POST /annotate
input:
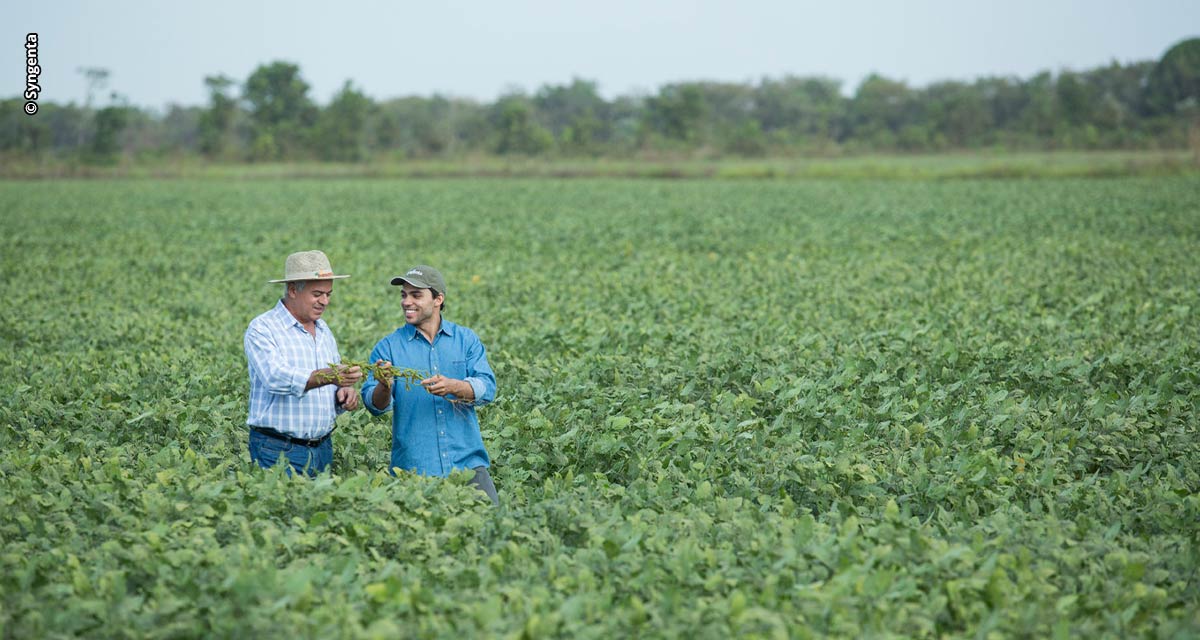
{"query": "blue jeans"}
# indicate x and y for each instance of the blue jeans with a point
(266, 452)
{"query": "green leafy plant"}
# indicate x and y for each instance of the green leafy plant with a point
(774, 408)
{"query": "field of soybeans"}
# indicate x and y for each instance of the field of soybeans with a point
(726, 408)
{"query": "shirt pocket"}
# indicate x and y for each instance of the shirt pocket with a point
(457, 369)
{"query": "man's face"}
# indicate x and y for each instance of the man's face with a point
(308, 305)
(419, 304)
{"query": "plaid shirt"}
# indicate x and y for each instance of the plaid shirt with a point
(281, 356)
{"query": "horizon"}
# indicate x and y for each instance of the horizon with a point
(159, 55)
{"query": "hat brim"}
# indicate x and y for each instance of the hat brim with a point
(416, 282)
(303, 278)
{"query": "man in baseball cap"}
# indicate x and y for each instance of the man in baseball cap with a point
(434, 427)
(294, 402)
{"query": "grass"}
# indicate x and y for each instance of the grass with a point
(962, 165)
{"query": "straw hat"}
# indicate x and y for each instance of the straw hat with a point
(308, 265)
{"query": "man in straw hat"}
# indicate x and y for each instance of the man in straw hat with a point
(295, 395)
(434, 428)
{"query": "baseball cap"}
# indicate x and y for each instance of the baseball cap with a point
(423, 276)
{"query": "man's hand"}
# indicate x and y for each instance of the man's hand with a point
(346, 376)
(382, 395)
(384, 379)
(347, 398)
(440, 385)
(340, 374)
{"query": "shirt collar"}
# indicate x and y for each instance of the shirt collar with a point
(290, 320)
(410, 332)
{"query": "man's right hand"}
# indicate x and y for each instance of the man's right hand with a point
(348, 376)
(382, 395)
(386, 378)
(340, 375)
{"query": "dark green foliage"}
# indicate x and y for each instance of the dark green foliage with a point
(109, 123)
(1174, 84)
(216, 122)
(676, 112)
(516, 130)
(726, 409)
(1140, 105)
(341, 132)
(280, 110)
(576, 115)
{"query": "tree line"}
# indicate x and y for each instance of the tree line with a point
(271, 117)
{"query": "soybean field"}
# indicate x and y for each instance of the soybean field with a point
(726, 408)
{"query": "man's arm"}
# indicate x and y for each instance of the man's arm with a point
(265, 362)
(440, 385)
(479, 373)
(340, 375)
(478, 388)
(283, 379)
(381, 395)
(377, 394)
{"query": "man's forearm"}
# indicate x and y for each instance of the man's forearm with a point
(342, 376)
(319, 378)
(379, 396)
(465, 391)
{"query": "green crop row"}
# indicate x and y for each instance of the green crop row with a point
(725, 409)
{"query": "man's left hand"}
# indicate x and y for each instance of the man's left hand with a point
(347, 398)
(440, 385)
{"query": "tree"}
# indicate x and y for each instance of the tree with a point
(1173, 88)
(1006, 100)
(1174, 84)
(106, 142)
(745, 138)
(575, 114)
(97, 80)
(415, 125)
(799, 109)
(517, 131)
(1040, 118)
(181, 128)
(281, 112)
(1117, 91)
(676, 112)
(1075, 98)
(216, 122)
(957, 113)
(341, 128)
(21, 133)
(879, 110)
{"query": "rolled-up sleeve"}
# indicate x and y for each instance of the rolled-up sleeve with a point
(479, 372)
(276, 375)
(380, 352)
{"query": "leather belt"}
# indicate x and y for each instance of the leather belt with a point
(312, 444)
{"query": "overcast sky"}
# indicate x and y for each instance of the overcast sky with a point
(158, 52)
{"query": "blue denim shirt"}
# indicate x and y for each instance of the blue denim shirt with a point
(431, 435)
